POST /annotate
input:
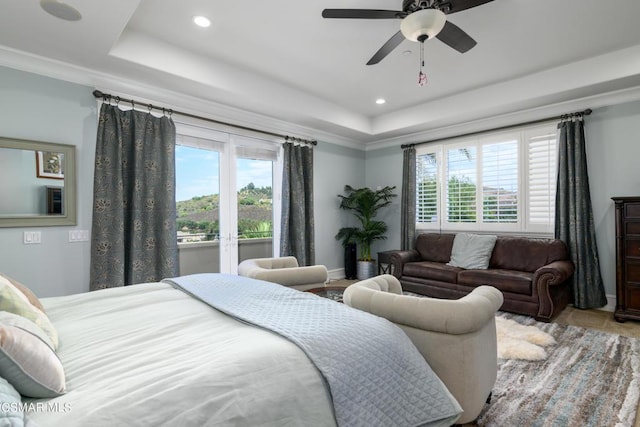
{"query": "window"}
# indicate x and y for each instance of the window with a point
(225, 188)
(503, 181)
(500, 182)
(461, 171)
(427, 188)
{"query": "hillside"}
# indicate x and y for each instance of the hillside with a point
(200, 215)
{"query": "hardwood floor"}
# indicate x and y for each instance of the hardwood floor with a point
(598, 319)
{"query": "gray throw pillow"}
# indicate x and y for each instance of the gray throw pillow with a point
(472, 251)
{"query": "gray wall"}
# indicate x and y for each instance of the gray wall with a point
(384, 167)
(334, 167)
(43, 109)
(613, 150)
(39, 108)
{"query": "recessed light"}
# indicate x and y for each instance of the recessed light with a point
(406, 52)
(201, 21)
(60, 10)
(381, 101)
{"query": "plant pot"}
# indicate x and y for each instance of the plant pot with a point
(366, 269)
(350, 258)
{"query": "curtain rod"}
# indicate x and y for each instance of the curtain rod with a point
(533, 122)
(106, 97)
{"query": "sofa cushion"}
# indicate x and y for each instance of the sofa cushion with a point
(432, 271)
(517, 282)
(434, 247)
(526, 254)
(472, 251)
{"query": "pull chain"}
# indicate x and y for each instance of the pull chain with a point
(422, 77)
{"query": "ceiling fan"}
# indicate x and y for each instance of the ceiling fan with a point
(421, 20)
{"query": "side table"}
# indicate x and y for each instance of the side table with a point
(331, 292)
(384, 262)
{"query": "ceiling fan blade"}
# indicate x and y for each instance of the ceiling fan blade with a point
(386, 48)
(362, 13)
(453, 36)
(453, 6)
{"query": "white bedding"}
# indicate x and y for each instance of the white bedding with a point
(172, 360)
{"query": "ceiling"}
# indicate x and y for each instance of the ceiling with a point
(279, 61)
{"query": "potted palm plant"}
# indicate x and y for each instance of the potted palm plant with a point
(365, 204)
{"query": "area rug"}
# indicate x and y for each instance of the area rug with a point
(590, 378)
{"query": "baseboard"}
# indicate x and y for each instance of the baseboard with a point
(611, 304)
(337, 274)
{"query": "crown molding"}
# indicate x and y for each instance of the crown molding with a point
(487, 123)
(209, 109)
(124, 87)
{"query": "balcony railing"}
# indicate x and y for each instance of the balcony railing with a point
(203, 256)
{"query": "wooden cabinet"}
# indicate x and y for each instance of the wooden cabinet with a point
(54, 200)
(627, 258)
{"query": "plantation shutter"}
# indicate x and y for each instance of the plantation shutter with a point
(500, 182)
(427, 188)
(542, 180)
(461, 184)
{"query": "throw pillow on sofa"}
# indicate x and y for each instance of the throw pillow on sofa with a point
(472, 251)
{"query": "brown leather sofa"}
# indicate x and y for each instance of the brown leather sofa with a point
(531, 273)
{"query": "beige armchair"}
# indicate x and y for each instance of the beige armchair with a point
(456, 337)
(285, 271)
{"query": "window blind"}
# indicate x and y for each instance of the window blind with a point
(500, 182)
(427, 188)
(542, 179)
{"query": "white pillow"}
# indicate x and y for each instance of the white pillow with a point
(472, 251)
(29, 364)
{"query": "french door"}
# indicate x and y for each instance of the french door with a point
(227, 199)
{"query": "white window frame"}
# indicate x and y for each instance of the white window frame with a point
(230, 145)
(523, 225)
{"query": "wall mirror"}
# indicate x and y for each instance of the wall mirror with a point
(37, 183)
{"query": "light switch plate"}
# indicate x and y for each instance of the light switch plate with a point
(32, 237)
(79, 235)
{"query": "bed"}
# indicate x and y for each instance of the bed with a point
(154, 354)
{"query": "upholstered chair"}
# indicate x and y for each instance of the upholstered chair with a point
(456, 337)
(285, 271)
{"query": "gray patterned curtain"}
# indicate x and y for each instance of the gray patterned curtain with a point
(408, 203)
(133, 238)
(297, 238)
(574, 215)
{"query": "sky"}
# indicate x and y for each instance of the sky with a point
(198, 172)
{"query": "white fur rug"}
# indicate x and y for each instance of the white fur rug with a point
(516, 341)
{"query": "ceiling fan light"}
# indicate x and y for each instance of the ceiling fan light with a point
(423, 22)
(60, 10)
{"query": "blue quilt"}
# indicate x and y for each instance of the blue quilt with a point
(375, 375)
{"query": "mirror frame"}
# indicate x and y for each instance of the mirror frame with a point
(70, 207)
